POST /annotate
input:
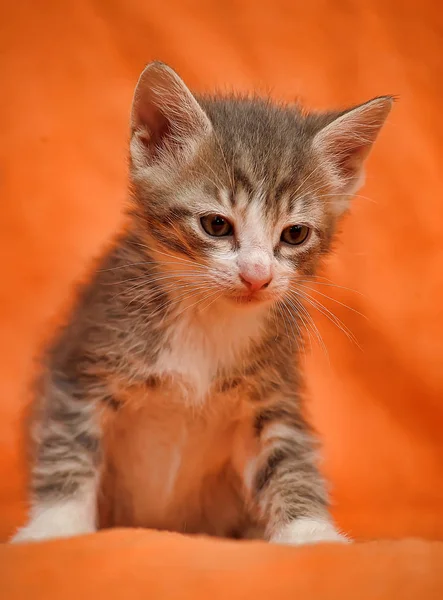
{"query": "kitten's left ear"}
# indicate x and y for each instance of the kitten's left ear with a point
(167, 123)
(345, 143)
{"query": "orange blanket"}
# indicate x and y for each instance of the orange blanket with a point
(67, 75)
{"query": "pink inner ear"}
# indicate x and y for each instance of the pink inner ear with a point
(349, 160)
(165, 115)
(347, 141)
(156, 136)
(154, 128)
(146, 114)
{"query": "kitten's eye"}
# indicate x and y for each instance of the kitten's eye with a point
(295, 234)
(216, 225)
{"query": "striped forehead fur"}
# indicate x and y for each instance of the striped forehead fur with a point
(259, 152)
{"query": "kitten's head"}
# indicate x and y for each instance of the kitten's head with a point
(239, 197)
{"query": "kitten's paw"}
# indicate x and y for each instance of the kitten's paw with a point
(308, 531)
(32, 533)
(64, 520)
(36, 531)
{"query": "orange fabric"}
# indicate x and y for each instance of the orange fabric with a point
(137, 564)
(67, 74)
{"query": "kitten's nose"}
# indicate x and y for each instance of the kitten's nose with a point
(256, 277)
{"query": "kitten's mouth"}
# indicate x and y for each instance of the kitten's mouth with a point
(253, 298)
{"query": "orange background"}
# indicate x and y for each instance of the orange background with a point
(67, 76)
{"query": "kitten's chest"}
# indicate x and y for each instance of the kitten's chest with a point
(195, 353)
(172, 465)
(176, 447)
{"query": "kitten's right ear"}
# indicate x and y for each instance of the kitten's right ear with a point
(167, 123)
(344, 144)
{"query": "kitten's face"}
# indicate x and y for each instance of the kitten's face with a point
(243, 241)
(253, 247)
(239, 197)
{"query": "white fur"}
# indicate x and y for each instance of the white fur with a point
(75, 516)
(249, 473)
(308, 531)
(174, 467)
(201, 344)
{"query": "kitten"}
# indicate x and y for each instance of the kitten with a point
(171, 400)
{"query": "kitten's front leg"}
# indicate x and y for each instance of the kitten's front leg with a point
(65, 516)
(65, 471)
(284, 481)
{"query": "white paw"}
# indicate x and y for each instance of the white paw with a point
(58, 520)
(308, 531)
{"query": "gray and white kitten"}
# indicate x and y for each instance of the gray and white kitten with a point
(171, 399)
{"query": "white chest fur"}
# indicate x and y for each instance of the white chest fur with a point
(202, 344)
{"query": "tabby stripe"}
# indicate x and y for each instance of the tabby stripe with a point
(112, 403)
(241, 179)
(278, 413)
(264, 475)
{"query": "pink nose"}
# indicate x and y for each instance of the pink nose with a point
(255, 281)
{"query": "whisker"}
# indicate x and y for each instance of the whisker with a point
(192, 291)
(197, 302)
(354, 310)
(147, 282)
(331, 284)
(274, 316)
(159, 293)
(212, 301)
(312, 324)
(153, 250)
(282, 316)
(155, 277)
(330, 315)
(294, 323)
(144, 262)
(180, 258)
(305, 325)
